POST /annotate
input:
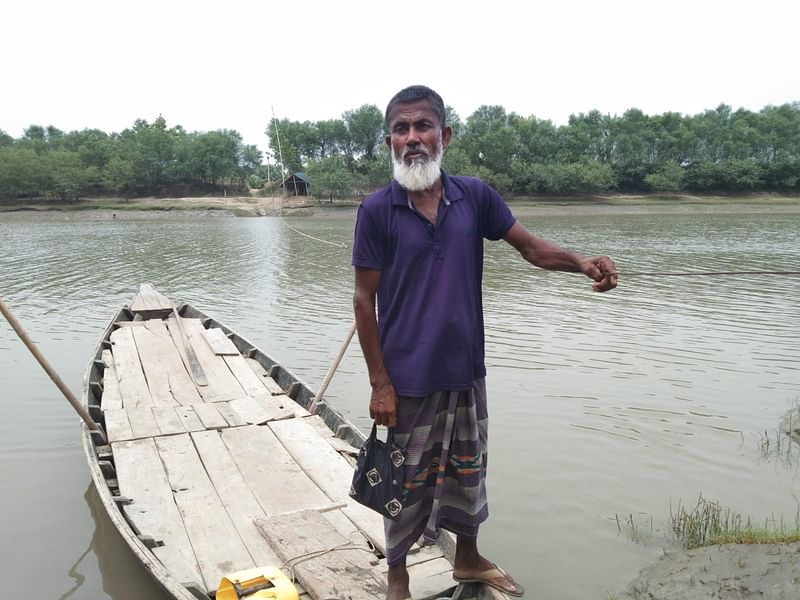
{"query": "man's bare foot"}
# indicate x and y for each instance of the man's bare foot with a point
(397, 588)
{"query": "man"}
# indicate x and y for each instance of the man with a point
(419, 250)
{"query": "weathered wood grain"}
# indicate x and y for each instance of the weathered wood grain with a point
(132, 383)
(166, 364)
(260, 410)
(235, 494)
(149, 300)
(117, 425)
(111, 397)
(168, 421)
(216, 543)
(143, 424)
(277, 482)
(209, 416)
(219, 342)
(261, 372)
(231, 416)
(343, 573)
(330, 471)
(141, 477)
(189, 418)
(222, 384)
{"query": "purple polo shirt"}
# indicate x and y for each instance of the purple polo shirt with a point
(430, 311)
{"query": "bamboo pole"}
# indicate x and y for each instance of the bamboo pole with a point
(332, 370)
(23, 335)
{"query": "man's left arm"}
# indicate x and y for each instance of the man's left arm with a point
(547, 255)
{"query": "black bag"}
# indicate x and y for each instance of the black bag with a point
(378, 480)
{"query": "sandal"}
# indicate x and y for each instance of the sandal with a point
(489, 577)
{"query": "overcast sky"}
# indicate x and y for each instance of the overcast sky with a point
(228, 64)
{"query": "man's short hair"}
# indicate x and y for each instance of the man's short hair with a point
(414, 93)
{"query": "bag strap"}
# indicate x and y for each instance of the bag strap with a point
(374, 433)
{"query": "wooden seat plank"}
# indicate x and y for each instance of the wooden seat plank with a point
(348, 572)
(219, 342)
(217, 546)
(148, 299)
(111, 397)
(132, 383)
(261, 372)
(141, 477)
(168, 421)
(209, 416)
(235, 494)
(330, 471)
(222, 385)
(117, 425)
(277, 482)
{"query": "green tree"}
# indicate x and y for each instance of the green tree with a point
(330, 177)
(365, 126)
(668, 178)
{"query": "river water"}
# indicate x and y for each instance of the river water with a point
(605, 409)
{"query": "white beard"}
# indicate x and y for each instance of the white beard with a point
(422, 173)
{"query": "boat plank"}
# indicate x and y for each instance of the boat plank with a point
(235, 494)
(178, 380)
(263, 409)
(217, 546)
(219, 342)
(252, 383)
(324, 431)
(143, 423)
(132, 383)
(168, 421)
(231, 416)
(154, 355)
(111, 397)
(431, 579)
(330, 471)
(117, 425)
(189, 418)
(348, 572)
(209, 416)
(153, 511)
(268, 381)
(148, 299)
(222, 385)
(279, 485)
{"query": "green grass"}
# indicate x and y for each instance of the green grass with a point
(709, 524)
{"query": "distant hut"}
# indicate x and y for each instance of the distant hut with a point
(296, 184)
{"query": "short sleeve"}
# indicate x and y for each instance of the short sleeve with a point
(369, 247)
(496, 216)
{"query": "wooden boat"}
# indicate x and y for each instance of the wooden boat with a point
(213, 465)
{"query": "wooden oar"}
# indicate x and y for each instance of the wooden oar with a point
(23, 335)
(332, 370)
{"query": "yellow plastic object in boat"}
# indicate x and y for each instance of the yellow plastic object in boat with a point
(258, 583)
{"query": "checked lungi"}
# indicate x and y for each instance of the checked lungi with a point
(445, 436)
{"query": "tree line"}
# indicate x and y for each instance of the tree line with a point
(719, 150)
(146, 159)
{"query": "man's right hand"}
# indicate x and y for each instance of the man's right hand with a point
(383, 404)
